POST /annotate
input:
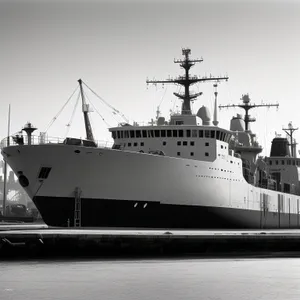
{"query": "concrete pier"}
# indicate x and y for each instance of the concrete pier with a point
(17, 240)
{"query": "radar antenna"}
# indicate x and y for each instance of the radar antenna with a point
(187, 80)
(246, 106)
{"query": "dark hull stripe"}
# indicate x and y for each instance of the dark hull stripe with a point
(123, 213)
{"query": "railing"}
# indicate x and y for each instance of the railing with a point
(44, 139)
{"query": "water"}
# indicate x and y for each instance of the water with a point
(213, 279)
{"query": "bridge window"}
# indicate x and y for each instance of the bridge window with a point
(218, 135)
(228, 138)
(213, 134)
(282, 162)
(138, 134)
(180, 133)
(188, 133)
(174, 133)
(113, 134)
(293, 162)
(221, 136)
(276, 162)
(126, 134)
(118, 134)
(144, 133)
(122, 134)
(132, 133)
(194, 133)
(289, 162)
(270, 163)
(156, 133)
(151, 133)
(200, 133)
(163, 133)
(179, 122)
(169, 133)
(207, 133)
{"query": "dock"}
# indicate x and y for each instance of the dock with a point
(38, 240)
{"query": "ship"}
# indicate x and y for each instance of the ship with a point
(186, 172)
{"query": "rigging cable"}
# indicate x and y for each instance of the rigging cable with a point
(163, 97)
(72, 116)
(178, 91)
(97, 110)
(54, 119)
(111, 107)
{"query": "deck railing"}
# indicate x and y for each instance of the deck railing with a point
(43, 139)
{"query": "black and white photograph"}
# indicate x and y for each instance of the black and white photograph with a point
(149, 149)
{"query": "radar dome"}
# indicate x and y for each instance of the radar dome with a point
(204, 114)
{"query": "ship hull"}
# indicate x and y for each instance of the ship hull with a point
(130, 189)
(139, 214)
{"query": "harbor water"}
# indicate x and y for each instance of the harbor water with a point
(161, 279)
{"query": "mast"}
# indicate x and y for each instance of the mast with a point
(5, 169)
(85, 110)
(186, 81)
(289, 131)
(215, 121)
(246, 106)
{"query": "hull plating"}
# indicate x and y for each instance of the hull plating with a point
(121, 213)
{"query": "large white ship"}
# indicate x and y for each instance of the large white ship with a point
(171, 174)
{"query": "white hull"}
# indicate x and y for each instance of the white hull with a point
(132, 176)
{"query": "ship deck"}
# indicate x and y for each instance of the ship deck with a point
(38, 240)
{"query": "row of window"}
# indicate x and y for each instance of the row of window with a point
(135, 144)
(283, 162)
(192, 154)
(155, 133)
(179, 143)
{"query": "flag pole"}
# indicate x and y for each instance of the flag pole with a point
(5, 169)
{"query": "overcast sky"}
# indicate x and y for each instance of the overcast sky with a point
(46, 46)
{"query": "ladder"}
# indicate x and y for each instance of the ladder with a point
(77, 211)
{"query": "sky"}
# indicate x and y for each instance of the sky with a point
(114, 46)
